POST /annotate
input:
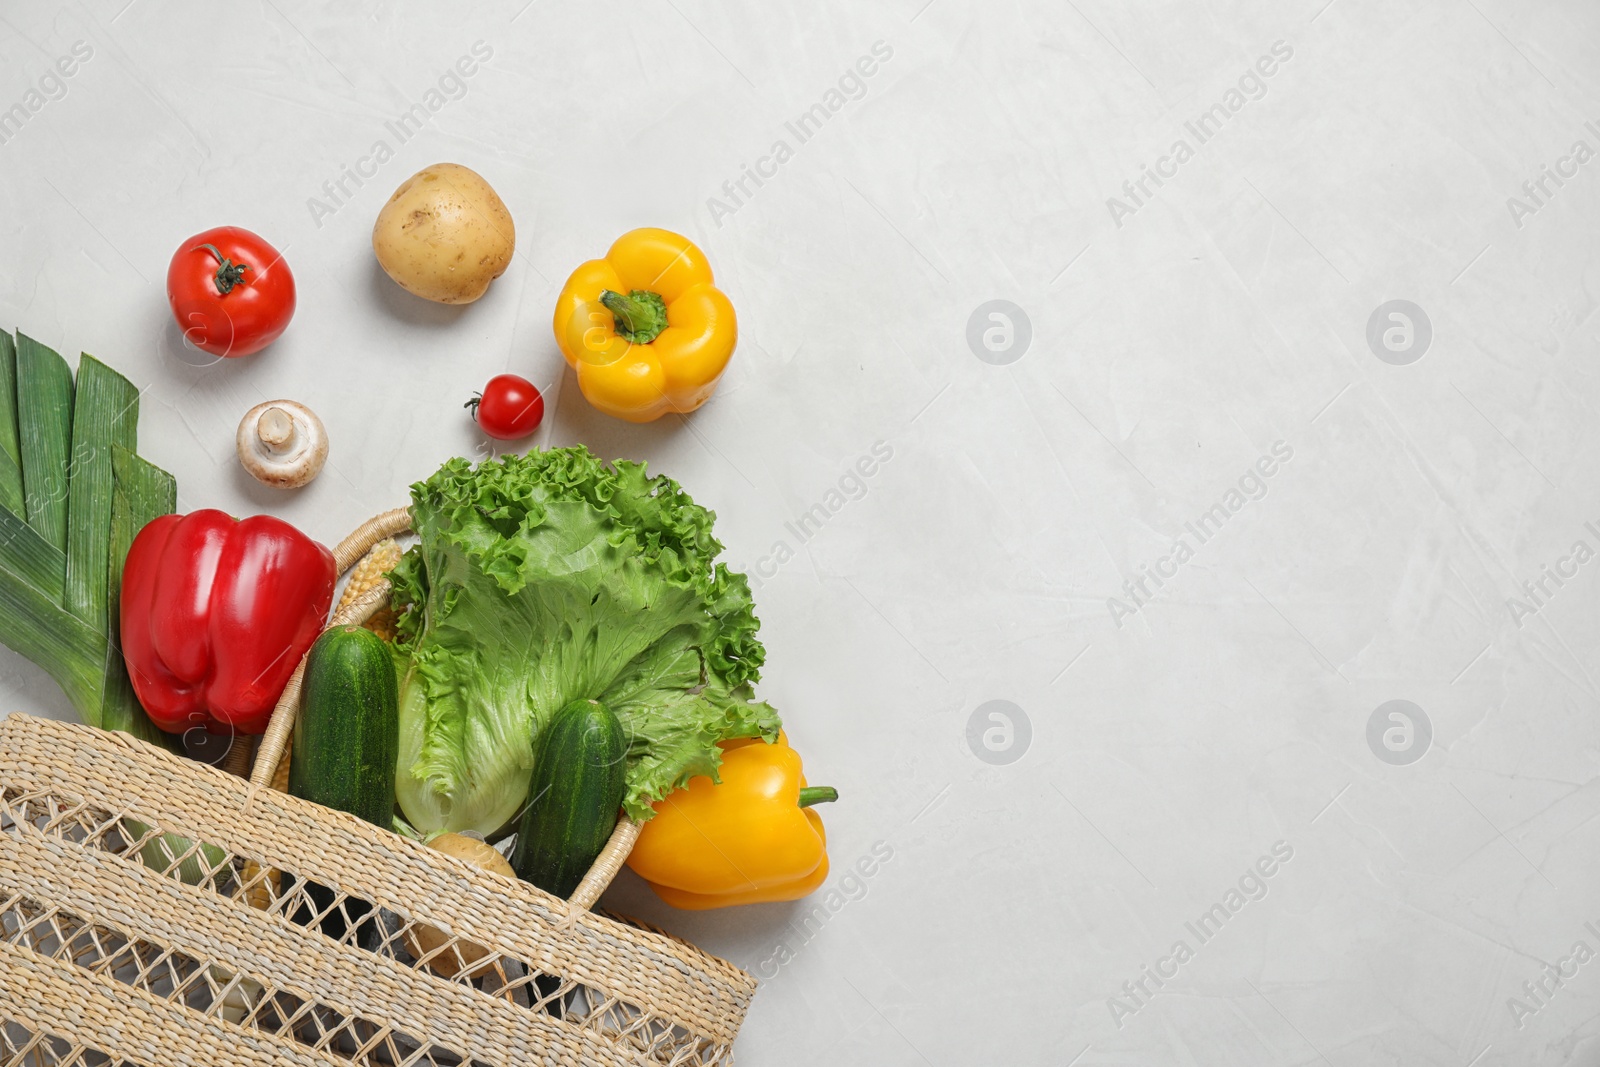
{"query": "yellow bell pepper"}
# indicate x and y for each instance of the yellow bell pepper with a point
(751, 839)
(645, 328)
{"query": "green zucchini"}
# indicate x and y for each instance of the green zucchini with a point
(346, 744)
(347, 734)
(579, 778)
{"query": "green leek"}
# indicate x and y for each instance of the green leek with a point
(72, 496)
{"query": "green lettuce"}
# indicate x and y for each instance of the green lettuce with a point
(551, 577)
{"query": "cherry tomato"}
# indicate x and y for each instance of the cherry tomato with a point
(230, 291)
(508, 408)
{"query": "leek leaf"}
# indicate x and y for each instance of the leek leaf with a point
(105, 412)
(44, 417)
(141, 491)
(10, 455)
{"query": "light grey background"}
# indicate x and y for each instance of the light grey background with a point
(1172, 346)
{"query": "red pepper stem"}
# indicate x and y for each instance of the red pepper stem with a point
(818, 794)
(229, 273)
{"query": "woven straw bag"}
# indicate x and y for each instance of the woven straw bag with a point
(157, 911)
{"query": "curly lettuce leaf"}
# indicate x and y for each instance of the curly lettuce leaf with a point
(550, 577)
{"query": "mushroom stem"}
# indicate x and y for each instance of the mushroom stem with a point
(276, 431)
(282, 443)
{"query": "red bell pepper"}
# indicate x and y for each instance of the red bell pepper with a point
(216, 614)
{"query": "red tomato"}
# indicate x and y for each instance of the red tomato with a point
(508, 408)
(230, 291)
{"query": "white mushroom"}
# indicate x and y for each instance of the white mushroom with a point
(282, 444)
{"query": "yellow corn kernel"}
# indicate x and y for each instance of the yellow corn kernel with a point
(365, 576)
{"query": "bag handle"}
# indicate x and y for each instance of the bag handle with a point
(606, 865)
(270, 753)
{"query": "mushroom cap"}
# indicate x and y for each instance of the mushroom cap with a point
(282, 444)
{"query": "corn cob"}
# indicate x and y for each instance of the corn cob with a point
(365, 576)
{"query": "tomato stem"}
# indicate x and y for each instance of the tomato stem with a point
(229, 273)
(472, 405)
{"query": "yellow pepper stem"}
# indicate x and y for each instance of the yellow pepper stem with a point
(817, 794)
(640, 315)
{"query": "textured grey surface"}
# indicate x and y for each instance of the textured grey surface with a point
(1170, 737)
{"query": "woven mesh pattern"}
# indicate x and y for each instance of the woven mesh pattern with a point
(153, 910)
(20, 1045)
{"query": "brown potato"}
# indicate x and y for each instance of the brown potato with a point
(444, 234)
(462, 955)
